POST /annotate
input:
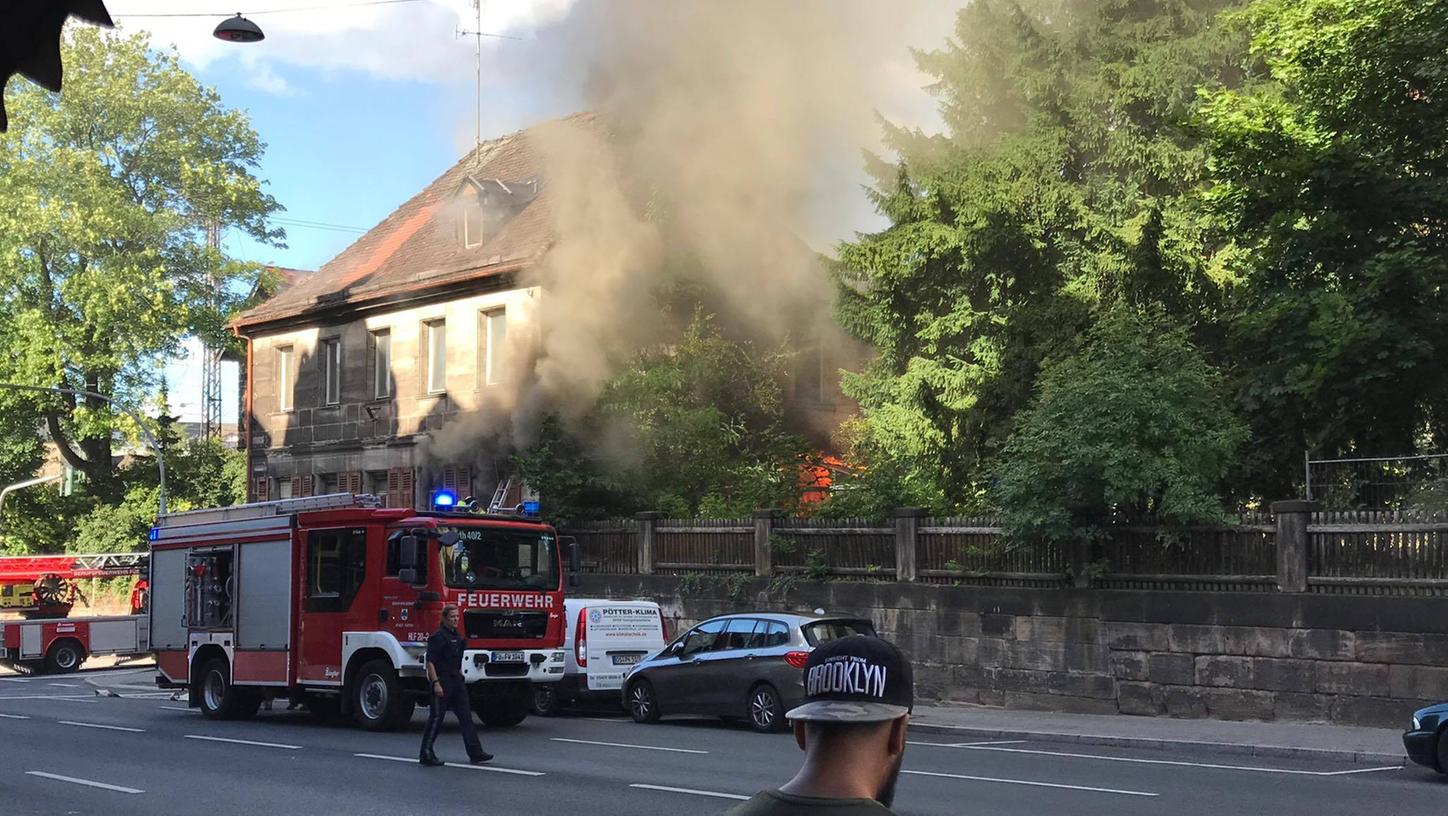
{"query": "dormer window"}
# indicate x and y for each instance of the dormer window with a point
(484, 205)
(473, 224)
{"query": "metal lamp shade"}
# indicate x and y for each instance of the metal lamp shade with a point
(238, 29)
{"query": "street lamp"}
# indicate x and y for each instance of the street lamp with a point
(145, 432)
(238, 29)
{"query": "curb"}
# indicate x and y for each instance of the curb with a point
(1151, 743)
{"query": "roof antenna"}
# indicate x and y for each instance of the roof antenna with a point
(478, 34)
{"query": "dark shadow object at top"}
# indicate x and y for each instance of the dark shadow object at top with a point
(30, 39)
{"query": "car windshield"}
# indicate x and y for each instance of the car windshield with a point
(486, 558)
(825, 631)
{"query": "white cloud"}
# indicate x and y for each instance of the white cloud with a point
(415, 41)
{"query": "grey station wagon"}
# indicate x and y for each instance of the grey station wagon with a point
(745, 665)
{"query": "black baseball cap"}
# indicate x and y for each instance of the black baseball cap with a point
(858, 678)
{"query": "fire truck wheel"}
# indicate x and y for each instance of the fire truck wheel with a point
(220, 700)
(503, 705)
(378, 702)
(64, 657)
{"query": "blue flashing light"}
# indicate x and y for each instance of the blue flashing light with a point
(530, 508)
(155, 533)
(444, 499)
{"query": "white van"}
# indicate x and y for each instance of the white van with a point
(605, 639)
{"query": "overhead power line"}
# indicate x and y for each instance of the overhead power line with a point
(270, 11)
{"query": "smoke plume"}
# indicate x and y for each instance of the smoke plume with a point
(716, 138)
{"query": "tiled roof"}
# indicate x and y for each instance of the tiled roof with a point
(418, 247)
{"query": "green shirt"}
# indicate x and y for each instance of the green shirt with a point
(778, 803)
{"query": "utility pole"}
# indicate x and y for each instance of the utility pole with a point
(211, 352)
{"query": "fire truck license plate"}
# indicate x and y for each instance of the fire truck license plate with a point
(507, 657)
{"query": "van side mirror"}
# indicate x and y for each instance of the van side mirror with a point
(407, 554)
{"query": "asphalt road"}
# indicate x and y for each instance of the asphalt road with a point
(67, 751)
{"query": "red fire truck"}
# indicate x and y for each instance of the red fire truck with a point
(329, 601)
(43, 589)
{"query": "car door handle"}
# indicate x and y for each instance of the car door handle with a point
(696, 661)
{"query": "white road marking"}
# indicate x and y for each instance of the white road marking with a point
(181, 708)
(715, 794)
(14, 716)
(63, 685)
(86, 782)
(16, 679)
(454, 765)
(605, 719)
(1030, 783)
(629, 745)
(106, 727)
(245, 742)
(966, 744)
(1140, 761)
(48, 697)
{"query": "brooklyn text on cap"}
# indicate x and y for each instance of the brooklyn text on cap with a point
(856, 679)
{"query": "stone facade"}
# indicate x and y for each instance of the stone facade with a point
(1352, 660)
(361, 441)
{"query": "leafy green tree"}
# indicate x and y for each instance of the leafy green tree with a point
(697, 427)
(1134, 424)
(1067, 180)
(1330, 168)
(105, 195)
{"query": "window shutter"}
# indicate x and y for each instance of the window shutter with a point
(309, 483)
(405, 488)
(297, 487)
(393, 478)
(260, 491)
(464, 481)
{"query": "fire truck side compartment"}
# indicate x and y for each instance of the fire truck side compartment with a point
(168, 581)
(264, 597)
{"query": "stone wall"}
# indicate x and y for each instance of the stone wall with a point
(1353, 660)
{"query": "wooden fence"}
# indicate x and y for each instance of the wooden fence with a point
(1357, 553)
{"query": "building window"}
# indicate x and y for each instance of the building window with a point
(436, 331)
(332, 370)
(472, 225)
(493, 334)
(381, 342)
(326, 484)
(284, 488)
(284, 378)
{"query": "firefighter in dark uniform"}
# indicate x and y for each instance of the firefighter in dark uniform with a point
(449, 692)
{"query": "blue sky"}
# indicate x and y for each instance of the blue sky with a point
(361, 106)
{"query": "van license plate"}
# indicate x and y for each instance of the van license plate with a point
(507, 657)
(626, 660)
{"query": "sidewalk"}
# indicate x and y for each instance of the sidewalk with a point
(1376, 746)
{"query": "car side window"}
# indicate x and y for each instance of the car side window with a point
(738, 634)
(703, 638)
(775, 634)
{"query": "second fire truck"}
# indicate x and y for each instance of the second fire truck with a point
(329, 601)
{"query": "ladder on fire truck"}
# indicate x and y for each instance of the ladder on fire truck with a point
(499, 496)
(268, 509)
(95, 565)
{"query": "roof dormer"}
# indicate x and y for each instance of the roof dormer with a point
(484, 205)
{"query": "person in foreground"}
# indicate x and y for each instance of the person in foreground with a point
(859, 691)
(449, 692)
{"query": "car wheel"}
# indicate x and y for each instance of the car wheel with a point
(643, 704)
(546, 702)
(766, 712)
(1443, 750)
